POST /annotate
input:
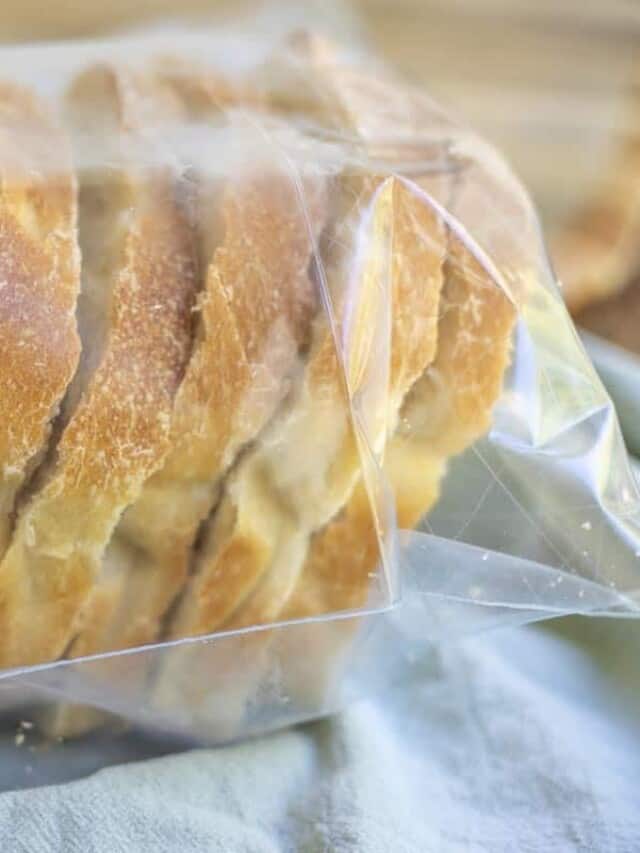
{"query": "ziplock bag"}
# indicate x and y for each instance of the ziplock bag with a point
(287, 390)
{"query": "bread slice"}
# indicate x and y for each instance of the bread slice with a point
(39, 286)
(139, 283)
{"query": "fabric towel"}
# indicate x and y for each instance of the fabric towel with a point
(522, 740)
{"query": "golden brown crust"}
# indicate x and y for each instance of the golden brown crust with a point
(39, 285)
(118, 431)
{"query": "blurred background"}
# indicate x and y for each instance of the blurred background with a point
(546, 80)
(556, 85)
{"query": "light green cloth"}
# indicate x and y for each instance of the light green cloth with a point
(524, 740)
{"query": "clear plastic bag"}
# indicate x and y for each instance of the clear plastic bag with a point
(323, 406)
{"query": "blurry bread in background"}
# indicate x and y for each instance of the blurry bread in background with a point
(617, 319)
(597, 253)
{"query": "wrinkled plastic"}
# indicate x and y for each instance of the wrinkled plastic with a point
(538, 513)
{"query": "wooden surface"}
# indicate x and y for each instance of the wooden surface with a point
(544, 79)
